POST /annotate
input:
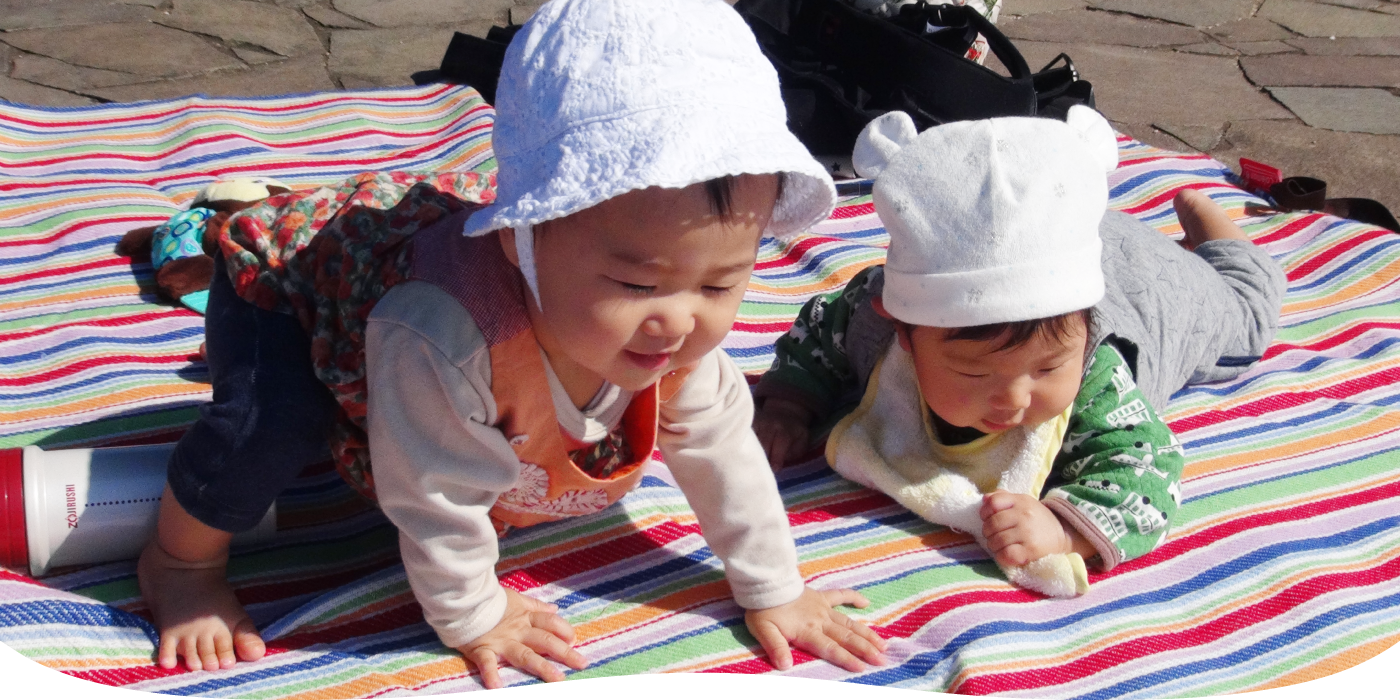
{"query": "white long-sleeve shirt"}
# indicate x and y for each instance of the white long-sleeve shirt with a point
(439, 465)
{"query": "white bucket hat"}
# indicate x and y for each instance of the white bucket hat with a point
(990, 221)
(601, 97)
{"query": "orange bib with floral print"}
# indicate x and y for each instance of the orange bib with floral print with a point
(476, 273)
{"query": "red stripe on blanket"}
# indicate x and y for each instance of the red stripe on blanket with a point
(76, 367)
(281, 590)
(795, 252)
(109, 322)
(920, 616)
(409, 613)
(1170, 194)
(1316, 262)
(71, 269)
(1332, 341)
(127, 676)
(579, 561)
(1131, 651)
(852, 211)
(1173, 548)
(54, 120)
(82, 224)
(213, 142)
(1289, 229)
(1269, 404)
(1151, 157)
(776, 327)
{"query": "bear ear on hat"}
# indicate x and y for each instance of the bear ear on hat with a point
(880, 140)
(1097, 135)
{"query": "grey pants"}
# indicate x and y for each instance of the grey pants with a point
(1191, 317)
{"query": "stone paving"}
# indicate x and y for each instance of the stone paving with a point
(1310, 86)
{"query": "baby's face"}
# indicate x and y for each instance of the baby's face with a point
(645, 282)
(970, 384)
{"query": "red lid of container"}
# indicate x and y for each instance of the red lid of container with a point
(14, 546)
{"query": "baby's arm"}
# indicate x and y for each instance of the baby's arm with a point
(438, 469)
(811, 373)
(719, 465)
(1120, 468)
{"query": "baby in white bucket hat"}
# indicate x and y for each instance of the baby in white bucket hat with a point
(1009, 356)
(518, 359)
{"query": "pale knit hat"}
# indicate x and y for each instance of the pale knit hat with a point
(601, 97)
(990, 221)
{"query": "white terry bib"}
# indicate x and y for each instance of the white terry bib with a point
(888, 444)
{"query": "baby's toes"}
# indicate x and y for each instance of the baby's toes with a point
(223, 649)
(247, 642)
(189, 648)
(208, 650)
(168, 655)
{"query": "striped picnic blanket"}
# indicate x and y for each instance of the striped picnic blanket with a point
(1285, 565)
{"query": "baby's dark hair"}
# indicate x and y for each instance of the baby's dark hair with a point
(1014, 334)
(720, 191)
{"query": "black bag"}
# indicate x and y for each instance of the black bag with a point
(471, 60)
(840, 68)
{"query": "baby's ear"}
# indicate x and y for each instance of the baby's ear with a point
(901, 329)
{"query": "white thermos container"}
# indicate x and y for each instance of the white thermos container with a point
(65, 507)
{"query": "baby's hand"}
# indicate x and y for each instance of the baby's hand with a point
(1019, 529)
(812, 626)
(529, 631)
(781, 426)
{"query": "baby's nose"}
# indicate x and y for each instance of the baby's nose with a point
(669, 323)
(1012, 397)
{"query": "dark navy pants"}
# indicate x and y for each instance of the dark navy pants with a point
(268, 419)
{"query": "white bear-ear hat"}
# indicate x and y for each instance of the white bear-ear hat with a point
(601, 97)
(990, 221)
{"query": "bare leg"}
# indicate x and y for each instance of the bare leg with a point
(183, 577)
(1203, 220)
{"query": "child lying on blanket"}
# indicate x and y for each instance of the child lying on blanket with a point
(522, 372)
(1036, 335)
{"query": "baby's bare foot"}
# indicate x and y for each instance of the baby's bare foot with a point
(1203, 220)
(196, 612)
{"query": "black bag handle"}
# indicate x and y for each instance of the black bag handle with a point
(963, 15)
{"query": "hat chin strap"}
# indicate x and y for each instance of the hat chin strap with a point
(525, 251)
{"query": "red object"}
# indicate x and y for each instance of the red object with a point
(1258, 176)
(14, 547)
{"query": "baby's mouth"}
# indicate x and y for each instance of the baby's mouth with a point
(648, 361)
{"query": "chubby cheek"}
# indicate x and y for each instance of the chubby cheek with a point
(1053, 400)
(951, 402)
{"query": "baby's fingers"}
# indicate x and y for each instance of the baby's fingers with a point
(485, 661)
(995, 502)
(778, 446)
(848, 633)
(553, 624)
(845, 596)
(774, 643)
(861, 629)
(526, 659)
(824, 644)
(1014, 554)
(535, 605)
(549, 644)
